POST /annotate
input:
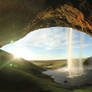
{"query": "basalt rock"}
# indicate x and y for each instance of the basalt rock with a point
(18, 17)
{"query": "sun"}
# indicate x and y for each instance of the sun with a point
(21, 53)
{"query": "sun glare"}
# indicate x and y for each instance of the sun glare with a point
(21, 53)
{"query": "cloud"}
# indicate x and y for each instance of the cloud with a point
(49, 38)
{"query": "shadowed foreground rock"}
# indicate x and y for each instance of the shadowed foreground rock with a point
(19, 75)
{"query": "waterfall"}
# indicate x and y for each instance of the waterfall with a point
(81, 52)
(70, 63)
(74, 67)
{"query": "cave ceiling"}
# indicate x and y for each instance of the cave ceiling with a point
(18, 17)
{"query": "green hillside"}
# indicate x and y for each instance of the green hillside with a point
(18, 75)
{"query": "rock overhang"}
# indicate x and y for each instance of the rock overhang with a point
(20, 17)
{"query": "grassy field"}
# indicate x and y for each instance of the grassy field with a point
(53, 64)
(50, 64)
(18, 75)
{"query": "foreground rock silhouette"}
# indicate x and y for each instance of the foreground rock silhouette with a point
(19, 75)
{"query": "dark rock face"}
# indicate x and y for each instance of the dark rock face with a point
(18, 17)
(88, 61)
(65, 15)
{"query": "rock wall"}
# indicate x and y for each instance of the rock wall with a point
(18, 17)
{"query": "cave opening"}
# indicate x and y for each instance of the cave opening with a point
(56, 44)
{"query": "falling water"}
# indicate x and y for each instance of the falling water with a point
(75, 67)
(70, 63)
(81, 48)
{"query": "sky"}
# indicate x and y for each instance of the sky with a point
(50, 43)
